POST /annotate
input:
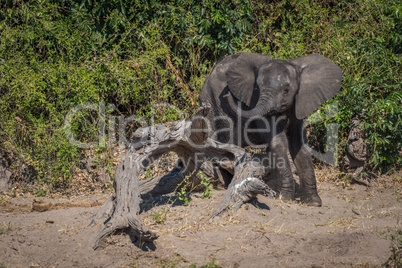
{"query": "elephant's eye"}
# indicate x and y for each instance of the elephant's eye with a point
(286, 91)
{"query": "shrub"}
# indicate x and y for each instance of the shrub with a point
(129, 55)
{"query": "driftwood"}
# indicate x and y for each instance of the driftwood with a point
(246, 184)
(197, 152)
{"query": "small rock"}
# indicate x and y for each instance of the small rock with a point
(41, 206)
(5, 174)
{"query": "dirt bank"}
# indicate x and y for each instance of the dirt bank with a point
(345, 232)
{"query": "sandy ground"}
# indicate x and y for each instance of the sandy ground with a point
(345, 232)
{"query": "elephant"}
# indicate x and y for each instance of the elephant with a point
(257, 100)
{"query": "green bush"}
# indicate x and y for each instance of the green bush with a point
(364, 39)
(55, 55)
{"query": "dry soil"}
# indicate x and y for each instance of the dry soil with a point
(352, 228)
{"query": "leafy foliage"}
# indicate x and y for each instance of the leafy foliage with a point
(158, 217)
(186, 187)
(55, 55)
(364, 39)
(210, 264)
(206, 182)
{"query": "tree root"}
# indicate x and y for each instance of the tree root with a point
(246, 184)
(133, 222)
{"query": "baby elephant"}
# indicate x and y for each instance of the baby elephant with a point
(257, 100)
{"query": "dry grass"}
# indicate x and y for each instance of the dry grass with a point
(339, 222)
(325, 173)
(6, 228)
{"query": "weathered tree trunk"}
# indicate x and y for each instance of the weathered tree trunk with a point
(247, 183)
(126, 202)
(197, 153)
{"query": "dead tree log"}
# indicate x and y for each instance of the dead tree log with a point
(197, 152)
(247, 183)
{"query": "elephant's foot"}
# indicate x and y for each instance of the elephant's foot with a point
(287, 189)
(287, 193)
(312, 200)
(286, 196)
(309, 195)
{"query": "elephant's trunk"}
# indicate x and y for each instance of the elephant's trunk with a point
(263, 107)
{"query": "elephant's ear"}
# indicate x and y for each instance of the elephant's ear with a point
(320, 80)
(242, 74)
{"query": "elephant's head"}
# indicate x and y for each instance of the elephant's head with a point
(306, 82)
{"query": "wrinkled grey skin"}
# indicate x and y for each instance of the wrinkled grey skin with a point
(250, 87)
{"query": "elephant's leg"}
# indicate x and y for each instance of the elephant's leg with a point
(308, 184)
(280, 165)
(304, 165)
